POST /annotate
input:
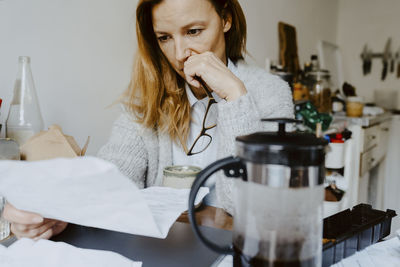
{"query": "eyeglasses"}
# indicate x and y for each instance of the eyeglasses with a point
(203, 140)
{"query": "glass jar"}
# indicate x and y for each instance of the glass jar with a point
(320, 92)
(354, 106)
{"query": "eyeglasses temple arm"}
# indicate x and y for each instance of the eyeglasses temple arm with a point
(204, 85)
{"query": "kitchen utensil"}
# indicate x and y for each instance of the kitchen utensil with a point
(278, 200)
(288, 54)
(387, 59)
(320, 94)
(397, 58)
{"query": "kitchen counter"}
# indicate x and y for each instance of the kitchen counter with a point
(364, 121)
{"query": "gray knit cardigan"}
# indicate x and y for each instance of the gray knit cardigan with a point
(142, 153)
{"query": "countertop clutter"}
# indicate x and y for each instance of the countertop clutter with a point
(366, 229)
(359, 159)
(365, 120)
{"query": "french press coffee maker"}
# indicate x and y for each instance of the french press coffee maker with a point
(278, 200)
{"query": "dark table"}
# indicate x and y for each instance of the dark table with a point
(180, 248)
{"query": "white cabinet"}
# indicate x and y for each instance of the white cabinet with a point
(369, 159)
(369, 138)
(374, 141)
(364, 166)
(371, 142)
(383, 139)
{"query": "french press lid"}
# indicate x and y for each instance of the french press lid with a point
(281, 147)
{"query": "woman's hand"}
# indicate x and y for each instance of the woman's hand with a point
(215, 74)
(31, 225)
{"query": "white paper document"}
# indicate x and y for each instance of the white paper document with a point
(382, 254)
(45, 253)
(386, 253)
(92, 192)
(162, 212)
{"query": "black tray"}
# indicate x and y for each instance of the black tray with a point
(354, 230)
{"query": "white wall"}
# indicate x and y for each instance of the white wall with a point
(368, 22)
(82, 50)
(81, 55)
(314, 20)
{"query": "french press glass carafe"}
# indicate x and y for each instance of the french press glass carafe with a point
(278, 199)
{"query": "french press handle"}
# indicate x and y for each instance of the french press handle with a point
(232, 167)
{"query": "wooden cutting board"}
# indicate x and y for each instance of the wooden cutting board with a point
(288, 56)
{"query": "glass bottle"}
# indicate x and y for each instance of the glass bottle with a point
(314, 63)
(24, 118)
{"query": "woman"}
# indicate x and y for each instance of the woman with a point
(186, 49)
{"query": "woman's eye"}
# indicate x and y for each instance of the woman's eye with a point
(163, 38)
(194, 31)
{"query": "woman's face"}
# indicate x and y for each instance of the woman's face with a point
(187, 27)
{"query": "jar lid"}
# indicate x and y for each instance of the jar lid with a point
(181, 171)
(281, 147)
(358, 99)
(319, 74)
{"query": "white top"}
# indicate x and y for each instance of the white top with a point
(208, 156)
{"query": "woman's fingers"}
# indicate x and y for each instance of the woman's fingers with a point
(45, 235)
(14, 215)
(205, 67)
(21, 230)
(203, 64)
(20, 227)
(193, 81)
(215, 74)
(31, 225)
(59, 227)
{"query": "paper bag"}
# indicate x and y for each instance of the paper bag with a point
(51, 144)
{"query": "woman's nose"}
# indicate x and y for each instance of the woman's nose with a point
(182, 51)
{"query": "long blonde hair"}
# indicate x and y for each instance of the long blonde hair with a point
(156, 94)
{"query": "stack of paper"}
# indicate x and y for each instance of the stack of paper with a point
(386, 253)
(91, 192)
(45, 253)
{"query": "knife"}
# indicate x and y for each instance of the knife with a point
(386, 58)
(366, 59)
(398, 69)
(397, 58)
(384, 70)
